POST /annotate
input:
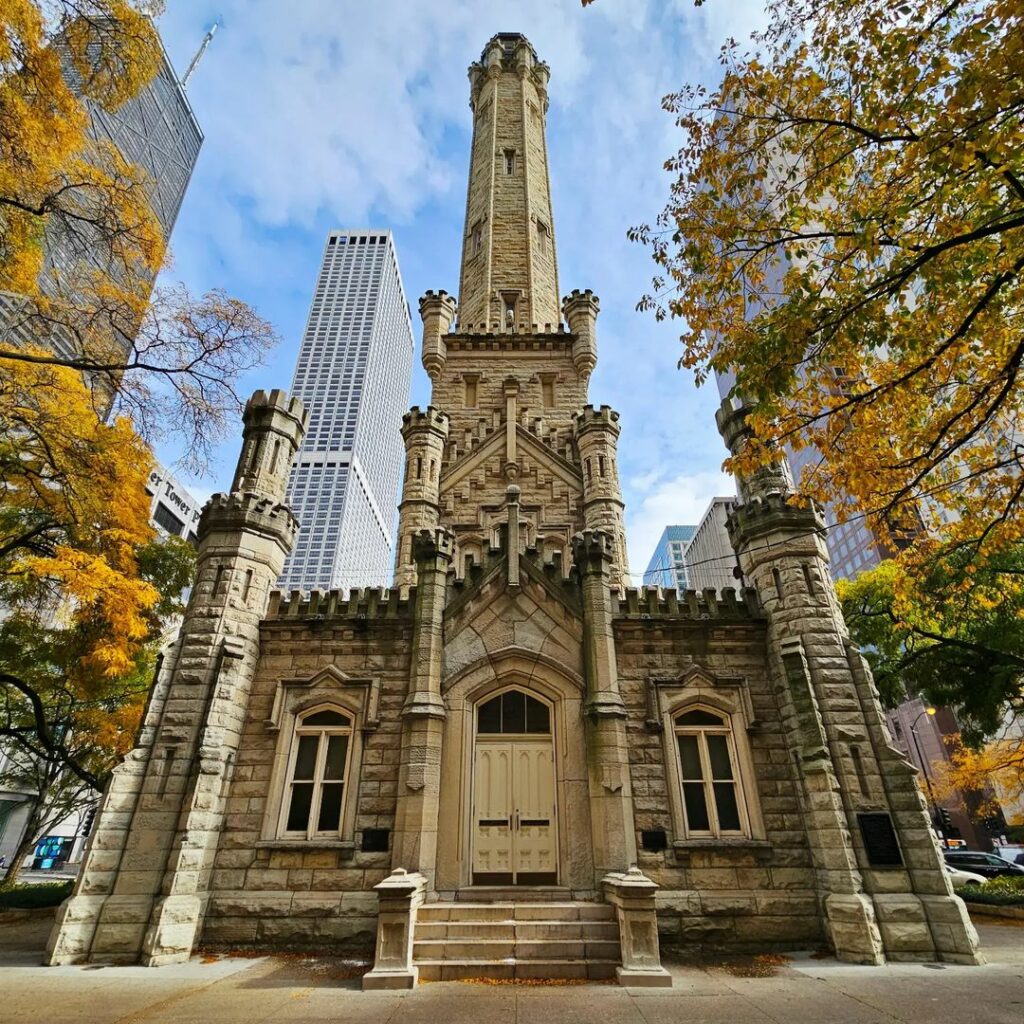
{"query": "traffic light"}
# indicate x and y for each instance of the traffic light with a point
(88, 818)
(945, 822)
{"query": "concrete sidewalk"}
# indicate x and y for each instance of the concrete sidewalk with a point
(283, 989)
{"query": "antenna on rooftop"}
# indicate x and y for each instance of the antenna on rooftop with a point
(199, 53)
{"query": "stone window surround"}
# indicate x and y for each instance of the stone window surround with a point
(327, 689)
(695, 689)
(300, 729)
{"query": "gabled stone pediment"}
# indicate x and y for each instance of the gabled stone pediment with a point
(471, 462)
(366, 694)
(537, 615)
(697, 677)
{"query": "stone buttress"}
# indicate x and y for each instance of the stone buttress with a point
(895, 904)
(144, 885)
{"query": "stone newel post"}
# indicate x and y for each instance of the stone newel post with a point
(398, 898)
(632, 894)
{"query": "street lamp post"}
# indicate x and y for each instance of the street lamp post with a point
(924, 764)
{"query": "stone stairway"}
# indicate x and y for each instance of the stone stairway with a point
(516, 940)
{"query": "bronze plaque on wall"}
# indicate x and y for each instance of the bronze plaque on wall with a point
(880, 839)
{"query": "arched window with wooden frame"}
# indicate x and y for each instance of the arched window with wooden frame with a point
(318, 769)
(713, 804)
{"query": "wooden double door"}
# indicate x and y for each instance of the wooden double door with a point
(514, 835)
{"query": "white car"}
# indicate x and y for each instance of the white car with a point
(960, 877)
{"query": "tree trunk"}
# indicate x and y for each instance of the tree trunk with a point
(28, 841)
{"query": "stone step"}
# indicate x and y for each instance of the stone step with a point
(535, 931)
(431, 950)
(514, 894)
(482, 912)
(556, 970)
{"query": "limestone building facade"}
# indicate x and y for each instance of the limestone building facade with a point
(510, 763)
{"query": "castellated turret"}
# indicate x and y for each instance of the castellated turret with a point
(437, 310)
(426, 434)
(596, 432)
(273, 428)
(581, 309)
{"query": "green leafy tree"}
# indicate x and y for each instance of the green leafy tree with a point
(964, 651)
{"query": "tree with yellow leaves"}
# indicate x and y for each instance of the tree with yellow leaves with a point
(169, 359)
(844, 240)
(954, 644)
(85, 588)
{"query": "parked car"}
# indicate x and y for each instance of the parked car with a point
(960, 877)
(1014, 854)
(987, 864)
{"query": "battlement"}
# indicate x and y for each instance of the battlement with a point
(261, 403)
(590, 545)
(425, 419)
(431, 544)
(498, 330)
(243, 510)
(437, 303)
(657, 603)
(768, 511)
(357, 603)
(604, 416)
(585, 298)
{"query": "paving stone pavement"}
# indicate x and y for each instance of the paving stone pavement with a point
(293, 989)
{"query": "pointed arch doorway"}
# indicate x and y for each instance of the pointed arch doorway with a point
(514, 828)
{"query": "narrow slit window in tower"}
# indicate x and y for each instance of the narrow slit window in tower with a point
(510, 161)
(542, 236)
(547, 389)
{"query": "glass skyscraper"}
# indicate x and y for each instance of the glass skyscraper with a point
(353, 374)
(156, 132)
(667, 567)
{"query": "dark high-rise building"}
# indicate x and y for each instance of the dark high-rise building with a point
(156, 132)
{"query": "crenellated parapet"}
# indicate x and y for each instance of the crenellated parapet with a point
(246, 512)
(695, 605)
(770, 514)
(580, 309)
(433, 547)
(328, 605)
(509, 51)
(518, 332)
(593, 551)
(595, 418)
(430, 419)
(437, 311)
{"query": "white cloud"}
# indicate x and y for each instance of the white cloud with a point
(679, 500)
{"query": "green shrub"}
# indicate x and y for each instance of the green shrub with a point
(29, 897)
(1007, 891)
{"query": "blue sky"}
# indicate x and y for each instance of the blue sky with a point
(322, 114)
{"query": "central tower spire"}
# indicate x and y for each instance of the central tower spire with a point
(509, 269)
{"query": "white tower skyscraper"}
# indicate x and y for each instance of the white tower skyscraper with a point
(353, 376)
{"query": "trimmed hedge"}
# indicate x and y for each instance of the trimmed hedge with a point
(29, 897)
(1007, 891)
